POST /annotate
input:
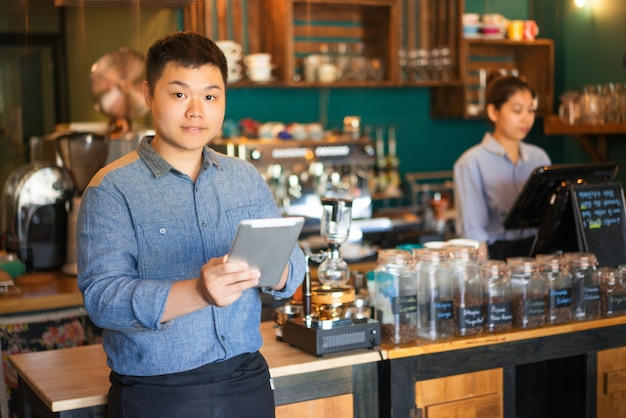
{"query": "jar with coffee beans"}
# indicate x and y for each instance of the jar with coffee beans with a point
(498, 298)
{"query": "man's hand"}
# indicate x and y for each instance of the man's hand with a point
(221, 283)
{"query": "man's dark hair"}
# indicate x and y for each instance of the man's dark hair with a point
(186, 49)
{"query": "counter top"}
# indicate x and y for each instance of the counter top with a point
(41, 291)
(73, 378)
(484, 339)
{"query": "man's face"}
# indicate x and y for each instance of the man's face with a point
(187, 105)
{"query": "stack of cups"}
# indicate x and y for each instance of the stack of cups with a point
(233, 52)
(259, 67)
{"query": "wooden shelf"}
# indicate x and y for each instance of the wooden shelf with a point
(553, 125)
(533, 60)
(592, 138)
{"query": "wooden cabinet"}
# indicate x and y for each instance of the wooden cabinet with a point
(470, 395)
(611, 386)
(364, 28)
(532, 60)
(333, 406)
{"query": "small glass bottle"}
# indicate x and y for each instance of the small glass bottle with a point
(558, 282)
(467, 300)
(434, 294)
(395, 299)
(585, 286)
(612, 292)
(529, 303)
(497, 297)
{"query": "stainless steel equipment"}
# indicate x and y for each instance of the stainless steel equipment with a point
(34, 214)
(327, 324)
(83, 154)
(300, 171)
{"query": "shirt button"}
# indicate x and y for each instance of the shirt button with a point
(204, 224)
(162, 231)
(223, 337)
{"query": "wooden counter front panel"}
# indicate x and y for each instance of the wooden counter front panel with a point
(335, 406)
(470, 395)
(611, 392)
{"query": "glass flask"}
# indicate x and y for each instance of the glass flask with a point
(529, 303)
(434, 293)
(467, 299)
(585, 285)
(497, 299)
(395, 297)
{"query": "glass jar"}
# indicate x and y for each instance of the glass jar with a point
(395, 299)
(611, 98)
(497, 298)
(585, 286)
(467, 300)
(529, 304)
(434, 294)
(592, 109)
(612, 292)
(569, 109)
(558, 282)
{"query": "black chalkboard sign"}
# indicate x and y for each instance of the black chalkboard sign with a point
(601, 221)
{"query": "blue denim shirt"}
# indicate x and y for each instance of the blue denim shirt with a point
(486, 185)
(143, 225)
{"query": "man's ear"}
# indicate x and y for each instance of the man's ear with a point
(146, 94)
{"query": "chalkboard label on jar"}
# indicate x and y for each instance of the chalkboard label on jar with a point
(404, 304)
(470, 317)
(534, 307)
(617, 303)
(591, 293)
(561, 298)
(499, 313)
(443, 310)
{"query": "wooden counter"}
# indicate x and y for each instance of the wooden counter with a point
(40, 292)
(77, 378)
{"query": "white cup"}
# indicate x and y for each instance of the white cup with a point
(259, 73)
(234, 72)
(231, 49)
(328, 73)
(256, 60)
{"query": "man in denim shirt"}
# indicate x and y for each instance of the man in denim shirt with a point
(181, 325)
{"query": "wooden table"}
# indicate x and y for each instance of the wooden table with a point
(74, 381)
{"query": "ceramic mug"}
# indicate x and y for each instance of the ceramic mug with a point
(328, 73)
(255, 60)
(231, 49)
(531, 30)
(234, 72)
(515, 30)
(259, 73)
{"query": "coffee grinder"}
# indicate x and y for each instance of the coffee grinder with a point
(83, 154)
(324, 326)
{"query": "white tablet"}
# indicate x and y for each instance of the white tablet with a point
(266, 245)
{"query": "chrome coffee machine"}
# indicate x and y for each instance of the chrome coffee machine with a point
(300, 171)
(34, 202)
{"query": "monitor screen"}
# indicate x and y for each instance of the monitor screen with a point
(544, 183)
(545, 203)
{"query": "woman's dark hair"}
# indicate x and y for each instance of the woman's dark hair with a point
(501, 88)
(187, 49)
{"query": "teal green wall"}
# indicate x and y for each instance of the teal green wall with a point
(589, 48)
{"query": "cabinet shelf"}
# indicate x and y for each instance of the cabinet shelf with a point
(533, 60)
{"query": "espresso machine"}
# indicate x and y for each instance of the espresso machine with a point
(83, 154)
(300, 171)
(324, 326)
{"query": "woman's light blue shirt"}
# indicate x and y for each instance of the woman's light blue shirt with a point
(142, 226)
(486, 184)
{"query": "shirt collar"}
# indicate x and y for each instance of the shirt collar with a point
(494, 147)
(159, 166)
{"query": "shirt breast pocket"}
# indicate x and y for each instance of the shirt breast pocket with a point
(163, 249)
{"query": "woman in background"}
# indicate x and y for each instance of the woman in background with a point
(489, 176)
